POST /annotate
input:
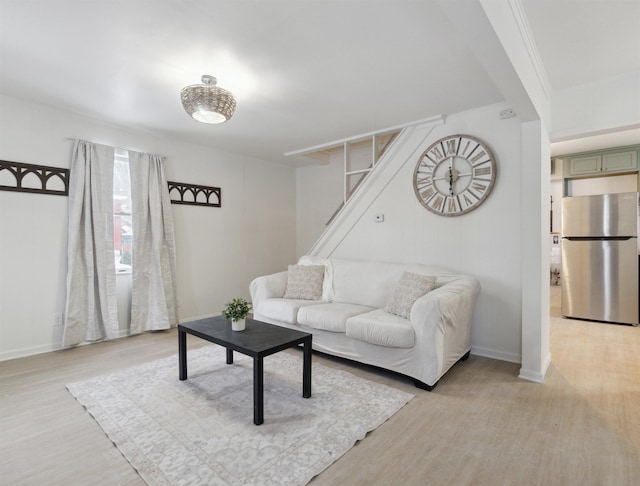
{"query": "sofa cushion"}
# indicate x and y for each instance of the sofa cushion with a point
(381, 328)
(365, 283)
(410, 287)
(329, 317)
(285, 310)
(304, 282)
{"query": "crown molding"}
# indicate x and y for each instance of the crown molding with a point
(522, 23)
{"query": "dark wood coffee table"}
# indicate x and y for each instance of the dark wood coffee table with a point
(258, 340)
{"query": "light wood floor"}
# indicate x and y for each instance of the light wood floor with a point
(481, 425)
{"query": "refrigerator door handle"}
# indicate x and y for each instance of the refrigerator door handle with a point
(598, 238)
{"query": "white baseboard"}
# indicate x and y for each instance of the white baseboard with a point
(529, 375)
(495, 354)
(24, 352)
(195, 318)
(47, 348)
(536, 376)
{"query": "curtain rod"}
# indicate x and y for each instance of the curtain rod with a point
(116, 148)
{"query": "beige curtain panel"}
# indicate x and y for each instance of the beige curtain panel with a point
(153, 295)
(91, 312)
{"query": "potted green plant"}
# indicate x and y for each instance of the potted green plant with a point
(236, 311)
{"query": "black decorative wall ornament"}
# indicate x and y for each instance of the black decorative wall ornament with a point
(195, 195)
(39, 179)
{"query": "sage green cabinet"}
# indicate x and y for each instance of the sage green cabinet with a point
(621, 161)
(600, 163)
(578, 166)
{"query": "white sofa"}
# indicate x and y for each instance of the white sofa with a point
(349, 320)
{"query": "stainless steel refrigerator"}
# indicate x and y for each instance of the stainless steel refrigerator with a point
(600, 257)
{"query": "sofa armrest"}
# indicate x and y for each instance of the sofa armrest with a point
(267, 287)
(442, 318)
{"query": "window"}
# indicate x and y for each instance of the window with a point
(122, 227)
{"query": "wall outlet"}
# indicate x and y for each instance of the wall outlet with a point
(508, 113)
(378, 218)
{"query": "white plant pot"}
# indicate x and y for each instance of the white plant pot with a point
(238, 325)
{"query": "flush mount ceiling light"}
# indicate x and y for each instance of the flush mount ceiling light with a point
(206, 102)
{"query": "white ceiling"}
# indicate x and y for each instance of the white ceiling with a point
(581, 41)
(304, 72)
(585, 40)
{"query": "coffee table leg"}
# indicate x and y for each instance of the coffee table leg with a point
(306, 369)
(182, 355)
(229, 356)
(258, 389)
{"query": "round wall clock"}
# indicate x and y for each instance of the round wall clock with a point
(455, 175)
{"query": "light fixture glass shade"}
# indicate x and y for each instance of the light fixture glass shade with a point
(207, 103)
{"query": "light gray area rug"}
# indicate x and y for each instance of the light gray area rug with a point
(201, 431)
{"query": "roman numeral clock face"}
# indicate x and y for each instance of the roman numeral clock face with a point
(454, 175)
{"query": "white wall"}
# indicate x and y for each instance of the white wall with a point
(601, 106)
(604, 185)
(219, 250)
(535, 249)
(324, 193)
(319, 193)
(484, 243)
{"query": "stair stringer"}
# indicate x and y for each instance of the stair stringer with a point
(405, 149)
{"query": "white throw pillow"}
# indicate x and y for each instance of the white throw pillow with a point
(304, 282)
(409, 289)
(327, 285)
